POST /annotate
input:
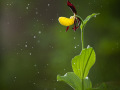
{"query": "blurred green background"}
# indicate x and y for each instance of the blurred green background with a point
(34, 47)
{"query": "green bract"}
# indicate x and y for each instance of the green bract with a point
(87, 19)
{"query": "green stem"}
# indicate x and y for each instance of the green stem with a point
(82, 29)
(82, 84)
(82, 38)
(82, 41)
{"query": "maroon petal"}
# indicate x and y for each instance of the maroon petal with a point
(75, 25)
(79, 21)
(67, 28)
(71, 6)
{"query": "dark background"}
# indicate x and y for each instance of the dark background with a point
(34, 47)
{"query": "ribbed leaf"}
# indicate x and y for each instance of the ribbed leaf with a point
(82, 63)
(74, 81)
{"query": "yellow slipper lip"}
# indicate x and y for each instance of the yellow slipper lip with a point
(66, 21)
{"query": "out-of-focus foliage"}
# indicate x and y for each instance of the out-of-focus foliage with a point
(34, 47)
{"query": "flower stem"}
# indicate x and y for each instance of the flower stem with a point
(82, 30)
(82, 41)
(82, 84)
(82, 38)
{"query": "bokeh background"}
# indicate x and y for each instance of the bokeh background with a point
(34, 47)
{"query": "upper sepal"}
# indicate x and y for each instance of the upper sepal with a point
(71, 6)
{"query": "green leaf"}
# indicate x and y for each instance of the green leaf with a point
(71, 79)
(74, 81)
(87, 83)
(82, 63)
(87, 19)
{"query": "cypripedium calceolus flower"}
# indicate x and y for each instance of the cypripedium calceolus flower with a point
(72, 20)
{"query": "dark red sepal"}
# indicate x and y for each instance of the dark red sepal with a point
(67, 28)
(71, 6)
(74, 28)
(79, 21)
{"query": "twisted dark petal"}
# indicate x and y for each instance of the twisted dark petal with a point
(79, 21)
(71, 6)
(74, 28)
(67, 28)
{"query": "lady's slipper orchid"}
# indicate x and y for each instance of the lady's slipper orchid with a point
(72, 20)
